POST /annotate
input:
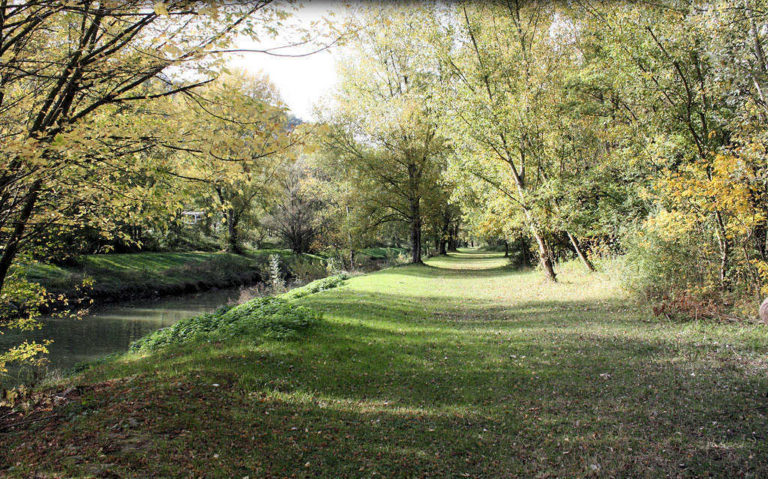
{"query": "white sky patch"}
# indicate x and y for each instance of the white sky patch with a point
(302, 81)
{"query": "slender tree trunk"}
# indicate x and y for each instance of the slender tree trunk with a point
(233, 235)
(506, 249)
(14, 241)
(585, 261)
(725, 250)
(443, 243)
(415, 232)
(526, 262)
(545, 258)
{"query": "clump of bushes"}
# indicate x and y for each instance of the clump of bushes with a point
(270, 317)
(316, 286)
(306, 267)
(676, 271)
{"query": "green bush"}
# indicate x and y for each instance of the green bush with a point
(316, 286)
(656, 266)
(262, 317)
(306, 267)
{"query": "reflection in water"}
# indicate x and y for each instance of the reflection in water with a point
(111, 328)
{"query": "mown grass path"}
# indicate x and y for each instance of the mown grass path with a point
(460, 368)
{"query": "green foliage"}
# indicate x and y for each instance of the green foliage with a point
(307, 267)
(235, 164)
(384, 130)
(317, 286)
(655, 265)
(379, 253)
(21, 304)
(274, 318)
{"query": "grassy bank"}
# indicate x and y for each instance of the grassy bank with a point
(123, 276)
(460, 368)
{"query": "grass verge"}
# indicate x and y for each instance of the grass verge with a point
(460, 368)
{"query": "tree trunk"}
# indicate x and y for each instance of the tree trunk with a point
(587, 264)
(525, 261)
(233, 235)
(415, 232)
(725, 250)
(12, 245)
(443, 244)
(506, 249)
(545, 258)
(453, 239)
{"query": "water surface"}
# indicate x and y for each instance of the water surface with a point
(110, 328)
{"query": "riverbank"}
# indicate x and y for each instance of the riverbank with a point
(121, 277)
(459, 368)
(124, 277)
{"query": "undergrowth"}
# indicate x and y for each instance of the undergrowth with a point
(271, 317)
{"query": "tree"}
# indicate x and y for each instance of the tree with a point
(385, 127)
(64, 67)
(296, 215)
(73, 148)
(233, 141)
(503, 64)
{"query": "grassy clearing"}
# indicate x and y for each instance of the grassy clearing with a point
(142, 274)
(460, 368)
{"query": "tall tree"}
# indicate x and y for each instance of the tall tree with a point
(385, 126)
(233, 140)
(64, 65)
(504, 62)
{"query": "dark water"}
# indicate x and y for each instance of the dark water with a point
(110, 328)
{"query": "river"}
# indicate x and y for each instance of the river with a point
(110, 328)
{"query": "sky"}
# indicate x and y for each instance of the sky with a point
(302, 81)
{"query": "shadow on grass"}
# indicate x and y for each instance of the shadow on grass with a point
(518, 396)
(414, 386)
(432, 271)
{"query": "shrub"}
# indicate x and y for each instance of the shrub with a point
(317, 286)
(262, 317)
(275, 275)
(675, 273)
(656, 264)
(306, 268)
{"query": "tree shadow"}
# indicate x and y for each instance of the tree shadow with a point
(526, 393)
(476, 388)
(432, 271)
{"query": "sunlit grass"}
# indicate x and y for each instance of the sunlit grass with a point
(135, 274)
(463, 366)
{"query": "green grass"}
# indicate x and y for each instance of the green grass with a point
(141, 274)
(460, 368)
